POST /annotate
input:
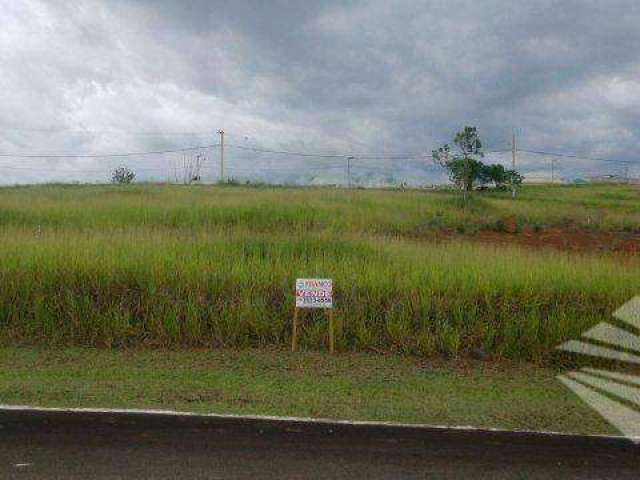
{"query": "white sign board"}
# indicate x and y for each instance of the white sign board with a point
(314, 293)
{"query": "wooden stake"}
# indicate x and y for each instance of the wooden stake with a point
(332, 330)
(294, 336)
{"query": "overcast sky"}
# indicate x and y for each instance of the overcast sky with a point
(377, 76)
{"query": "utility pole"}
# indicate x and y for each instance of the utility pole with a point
(553, 171)
(513, 163)
(626, 173)
(221, 133)
(349, 158)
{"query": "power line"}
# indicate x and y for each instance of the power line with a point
(260, 169)
(364, 156)
(200, 147)
(501, 150)
(578, 157)
(396, 156)
(108, 155)
(286, 170)
(368, 156)
(106, 132)
(405, 156)
(317, 167)
(284, 152)
(71, 170)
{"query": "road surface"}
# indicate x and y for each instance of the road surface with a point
(57, 445)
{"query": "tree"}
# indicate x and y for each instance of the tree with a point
(465, 168)
(500, 177)
(464, 172)
(513, 178)
(495, 173)
(122, 176)
(463, 164)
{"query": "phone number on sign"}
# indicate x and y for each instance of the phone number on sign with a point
(314, 300)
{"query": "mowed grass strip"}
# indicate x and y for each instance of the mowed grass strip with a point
(234, 288)
(305, 384)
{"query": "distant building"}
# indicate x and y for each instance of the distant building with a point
(608, 179)
(542, 180)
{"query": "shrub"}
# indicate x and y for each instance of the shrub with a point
(123, 176)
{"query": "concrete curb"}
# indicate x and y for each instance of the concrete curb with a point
(284, 422)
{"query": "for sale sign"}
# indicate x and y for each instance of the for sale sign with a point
(314, 293)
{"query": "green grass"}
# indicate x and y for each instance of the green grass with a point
(401, 213)
(276, 382)
(215, 267)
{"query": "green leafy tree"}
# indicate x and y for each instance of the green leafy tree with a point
(464, 167)
(462, 161)
(499, 176)
(513, 178)
(465, 172)
(495, 173)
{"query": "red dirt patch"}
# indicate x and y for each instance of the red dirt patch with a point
(567, 239)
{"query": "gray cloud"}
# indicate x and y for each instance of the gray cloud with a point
(330, 76)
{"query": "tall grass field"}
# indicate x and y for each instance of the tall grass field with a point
(212, 266)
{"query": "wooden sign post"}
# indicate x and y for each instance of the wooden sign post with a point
(314, 293)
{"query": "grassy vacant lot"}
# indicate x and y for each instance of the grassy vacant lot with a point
(277, 382)
(410, 214)
(214, 266)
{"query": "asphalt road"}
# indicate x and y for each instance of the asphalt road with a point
(46, 445)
